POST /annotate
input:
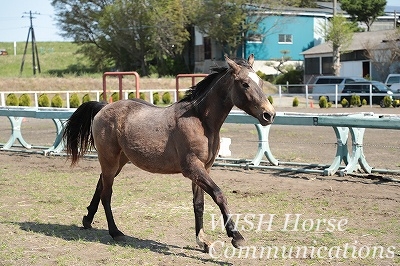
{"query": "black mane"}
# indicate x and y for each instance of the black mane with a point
(203, 86)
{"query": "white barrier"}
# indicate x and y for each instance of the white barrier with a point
(343, 125)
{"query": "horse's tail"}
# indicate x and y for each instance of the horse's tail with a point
(77, 133)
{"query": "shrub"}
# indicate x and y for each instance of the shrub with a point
(364, 102)
(261, 74)
(142, 96)
(355, 100)
(43, 100)
(12, 100)
(387, 101)
(329, 104)
(156, 98)
(323, 102)
(25, 100)
(181, 95)
(115, 96)
(295, 102)
(166, 97)
(345, 102)
(57, 101)
(270, 99)
(293, 75)
(74, 101)
(132, 95)
(86, 98)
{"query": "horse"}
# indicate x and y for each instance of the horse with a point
(180, 138)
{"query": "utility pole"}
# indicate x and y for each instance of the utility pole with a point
(35, 55)
(334, 7)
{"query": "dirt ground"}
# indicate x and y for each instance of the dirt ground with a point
(360, 210)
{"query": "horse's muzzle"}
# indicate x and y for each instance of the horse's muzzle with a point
(267, 118)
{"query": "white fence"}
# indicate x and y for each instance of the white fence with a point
(284, 93)
(94, 95)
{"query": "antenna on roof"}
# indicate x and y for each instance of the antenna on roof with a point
(35, 55)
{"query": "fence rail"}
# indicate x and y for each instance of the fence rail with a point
(345, 124)
(302, 93)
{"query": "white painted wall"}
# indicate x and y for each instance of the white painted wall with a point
(351, 69)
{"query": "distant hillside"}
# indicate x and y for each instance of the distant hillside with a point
(56, 59)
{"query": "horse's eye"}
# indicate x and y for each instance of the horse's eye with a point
(245, 85)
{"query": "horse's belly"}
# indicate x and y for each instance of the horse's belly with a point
(152, 155)
(155, 164)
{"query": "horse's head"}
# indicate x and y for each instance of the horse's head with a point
(248, 94)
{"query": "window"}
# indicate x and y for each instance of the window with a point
(285, 38)
(207, 47)
(311, 66)
(327, 65)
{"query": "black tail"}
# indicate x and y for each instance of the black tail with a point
(77, 133)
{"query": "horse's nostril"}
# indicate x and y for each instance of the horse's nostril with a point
(268, 117)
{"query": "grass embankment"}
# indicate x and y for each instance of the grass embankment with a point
(62, 69)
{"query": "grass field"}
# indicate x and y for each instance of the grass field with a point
(57, 59)
(63, 69)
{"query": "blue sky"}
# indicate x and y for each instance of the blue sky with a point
(14, 27)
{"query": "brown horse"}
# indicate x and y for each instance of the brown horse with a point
(181, 138)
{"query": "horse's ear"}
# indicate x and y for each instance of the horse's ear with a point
(251, 60)
(232, 64)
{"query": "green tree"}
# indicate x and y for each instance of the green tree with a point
(365, 11)
(229, 22)
(124, 34)
(339, 32)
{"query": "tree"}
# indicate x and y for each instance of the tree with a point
(129, 35)
(385, 56)
(229, 22)
(364, 10)
(339, 32)
(280, 66)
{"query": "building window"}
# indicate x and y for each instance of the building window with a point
(311, 66)
(207, 47)
(285, 38)
(327, 65)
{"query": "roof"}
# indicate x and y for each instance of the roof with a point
(360, 41)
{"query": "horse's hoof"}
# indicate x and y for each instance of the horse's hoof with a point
(238, 242)
(87, 224)
(206, 248)
(119, 238)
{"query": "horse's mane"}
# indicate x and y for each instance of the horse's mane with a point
(201, 88)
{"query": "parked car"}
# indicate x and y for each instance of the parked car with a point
(326, 86)
(362, 88)
(392, 78)
(395, 88)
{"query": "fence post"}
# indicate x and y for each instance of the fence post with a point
(3, 101)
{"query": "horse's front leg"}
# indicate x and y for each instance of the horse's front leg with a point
(198, 207)
(200, 177)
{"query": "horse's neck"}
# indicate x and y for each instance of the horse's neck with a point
(216, 106)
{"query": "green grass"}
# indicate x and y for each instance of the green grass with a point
(57, 59)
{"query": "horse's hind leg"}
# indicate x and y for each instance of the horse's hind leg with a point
(110, 169)
(98, 195)
(93, 206)
(198, 206)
